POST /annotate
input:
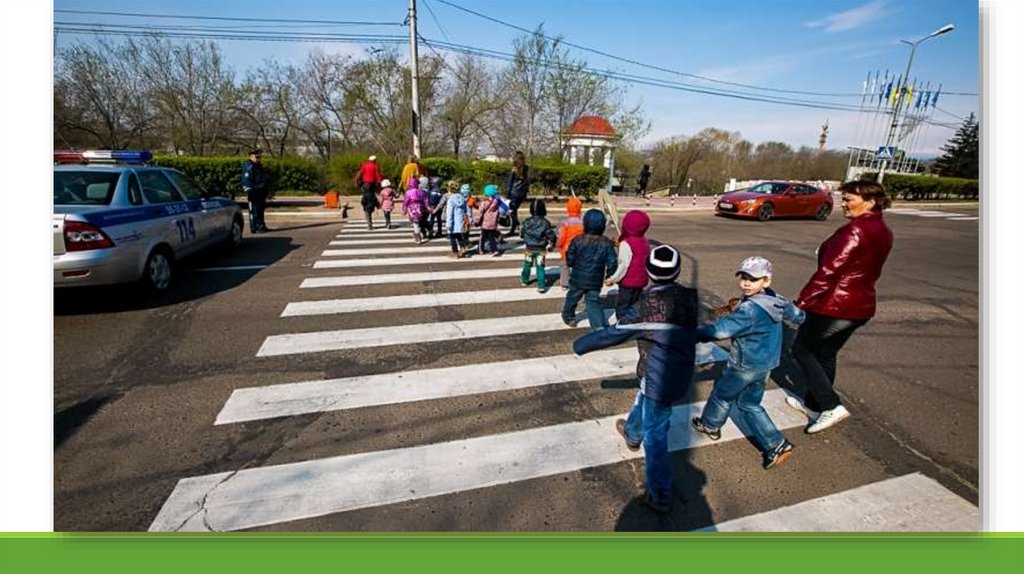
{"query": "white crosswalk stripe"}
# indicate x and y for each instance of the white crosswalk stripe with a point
(315, 282)
(388, 241)
(424, 260)
(437, 248)
(272, 494)
(336, 306)
(930, 213)
(295, 343)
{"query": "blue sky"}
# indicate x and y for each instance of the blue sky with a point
(813, 46)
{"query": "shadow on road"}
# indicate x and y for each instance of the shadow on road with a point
(689, 508)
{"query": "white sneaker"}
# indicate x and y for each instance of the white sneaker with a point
(828, 418)
(795, 403)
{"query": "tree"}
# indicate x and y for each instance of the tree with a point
(960, 154)
(470, 99)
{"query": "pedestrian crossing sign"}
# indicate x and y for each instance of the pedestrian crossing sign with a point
(885, 152)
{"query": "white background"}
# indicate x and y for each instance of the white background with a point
(26, 296)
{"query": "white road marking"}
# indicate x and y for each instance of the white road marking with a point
(233, 268)
(387, 250)
(377, 231)
(334, 306)
(273, 401)
(267, 495)
(314, 282)
(388, 241)
(910, 503)
(963, 219)
(295, 343)
(425, 260)
(940, 214)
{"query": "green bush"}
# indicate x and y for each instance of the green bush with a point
(913, 187)
(223, 175)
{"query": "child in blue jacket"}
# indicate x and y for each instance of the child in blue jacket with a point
(664, 323)
(755, 328)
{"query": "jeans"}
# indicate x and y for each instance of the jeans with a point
(536, 257)
(488, 240)
(627, 296)
(434, 221)
(592, 301)
(387, 219)
(513, 206)
(369, 219)
(745, 389)
(648, 421)
(815, 349)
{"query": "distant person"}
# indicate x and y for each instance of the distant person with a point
(754, 329)
(410, 170)
(254, 184)
(641, 184)
(369, 176)
(663, 321)
(518, 188)
(538, 236)
(591, 258)
(415, 205)
(840, 298)
(631, 272)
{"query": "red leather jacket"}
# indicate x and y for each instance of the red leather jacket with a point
(849, 264)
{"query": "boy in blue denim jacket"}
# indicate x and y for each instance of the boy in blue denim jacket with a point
(755, 328)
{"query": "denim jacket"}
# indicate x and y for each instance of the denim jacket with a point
(755, 328)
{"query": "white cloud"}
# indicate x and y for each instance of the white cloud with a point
(850, 19)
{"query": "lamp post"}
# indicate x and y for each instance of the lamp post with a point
(899, 92)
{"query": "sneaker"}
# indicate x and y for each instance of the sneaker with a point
(523, 283)
(570, 322)
(698, 425)
(659, 507)
(796, 404)
(620, 425)
(497, 253)
(778, 455)
(542, 290)
(828, 418)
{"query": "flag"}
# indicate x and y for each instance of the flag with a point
(917, 103)
(910, 95)
(935, 98)
(893, 94)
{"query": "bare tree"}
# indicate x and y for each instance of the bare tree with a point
(525, 84)
(469, 99)
(322, 89)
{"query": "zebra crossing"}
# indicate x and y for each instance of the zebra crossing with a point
(932, 214)
(271, 494)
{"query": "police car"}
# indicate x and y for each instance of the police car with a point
(118, 220)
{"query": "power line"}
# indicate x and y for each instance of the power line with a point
(261, 37)
(436, 21)
(232, 19)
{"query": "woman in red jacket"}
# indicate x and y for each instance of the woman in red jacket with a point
(840, 297)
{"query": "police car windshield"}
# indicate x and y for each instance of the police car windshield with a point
(84, 187)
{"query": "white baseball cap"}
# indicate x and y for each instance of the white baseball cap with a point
(756, 267)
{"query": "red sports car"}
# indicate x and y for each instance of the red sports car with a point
(777, 199)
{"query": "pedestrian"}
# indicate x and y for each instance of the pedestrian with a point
(664, 322)
(518, 188)
(487, 220)
(591, 258)
(254, 184)
(435, 207)
(410, 170)
(568, 228)
(754, 328)
(456, 215)
(539, 236)
(387, 201)
(641, 182)
(367, 179)
(840, 298)
(415, 205)
(631, 271)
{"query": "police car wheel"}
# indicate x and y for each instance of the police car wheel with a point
(235, 238)
(158, 274)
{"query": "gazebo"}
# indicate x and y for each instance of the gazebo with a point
(590, 140)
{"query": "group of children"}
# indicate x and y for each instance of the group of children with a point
(662, 315)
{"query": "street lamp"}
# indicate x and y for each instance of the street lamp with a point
(899, 92)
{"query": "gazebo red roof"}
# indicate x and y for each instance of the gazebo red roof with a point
(591, 125)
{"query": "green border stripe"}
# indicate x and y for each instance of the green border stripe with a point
(449, 553)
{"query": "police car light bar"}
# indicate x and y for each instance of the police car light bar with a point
(102, 156)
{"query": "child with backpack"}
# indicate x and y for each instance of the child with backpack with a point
(568, 228)
(415, 205)
(591, 258)
(435, 207)
(755, 329)
(663, 320)
(387, 201)
(631, 273)
(538, 235)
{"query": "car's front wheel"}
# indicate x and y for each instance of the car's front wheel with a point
(766, 212)
(159, 274)
(824, 210)
(235, 237)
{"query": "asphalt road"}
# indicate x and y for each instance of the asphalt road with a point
(139, 383)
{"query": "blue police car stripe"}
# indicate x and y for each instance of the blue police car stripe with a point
(151, 212)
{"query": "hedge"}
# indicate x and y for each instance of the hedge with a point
(223, 175)
(584, 180)
(914, 187)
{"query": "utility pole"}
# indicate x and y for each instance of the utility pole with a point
(413, 61)
(900, 95)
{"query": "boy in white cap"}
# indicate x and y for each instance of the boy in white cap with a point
(755, 329)
(663, 320)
